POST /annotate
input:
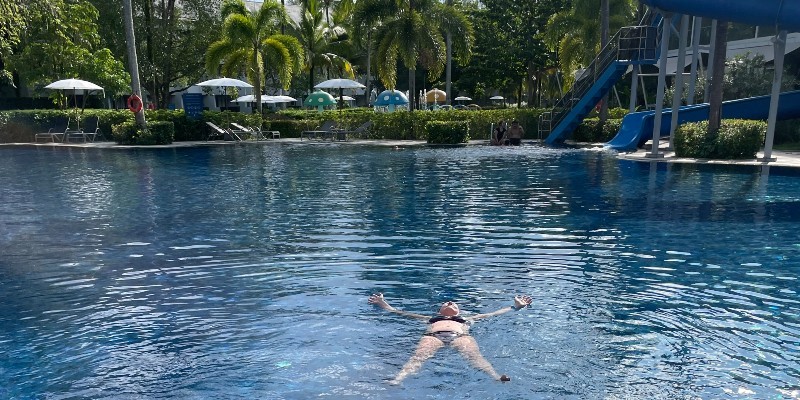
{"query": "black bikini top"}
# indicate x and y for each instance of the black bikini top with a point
(447, 318)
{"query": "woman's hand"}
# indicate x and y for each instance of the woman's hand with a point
(522, 301)
(377, 299)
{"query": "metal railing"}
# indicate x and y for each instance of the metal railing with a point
(630, 45)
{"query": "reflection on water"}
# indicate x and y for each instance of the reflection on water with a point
(243, 272)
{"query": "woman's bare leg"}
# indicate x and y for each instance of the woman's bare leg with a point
(468, 347)
(426, 348)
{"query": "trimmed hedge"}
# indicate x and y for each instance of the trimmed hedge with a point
(736, 139)
(21, 126)
(441, 132)
(590, 130)
(404, 125)
(157, 132)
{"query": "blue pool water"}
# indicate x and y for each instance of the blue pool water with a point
(242, 272)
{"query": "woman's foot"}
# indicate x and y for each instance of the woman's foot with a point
(504, 378)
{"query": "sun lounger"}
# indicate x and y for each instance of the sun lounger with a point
(360, 132)
(88, 133)
(226, 134)
(57, 132)
(257, 132)
(323, 130)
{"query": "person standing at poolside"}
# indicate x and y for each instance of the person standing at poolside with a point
(515, 133)
(448, 328)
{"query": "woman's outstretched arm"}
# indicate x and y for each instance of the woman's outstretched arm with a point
(519, 303)
(378, 300)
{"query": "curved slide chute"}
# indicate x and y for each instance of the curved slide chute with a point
(783, 13)
(637, 128)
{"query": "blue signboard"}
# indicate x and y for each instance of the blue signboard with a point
(193, 105)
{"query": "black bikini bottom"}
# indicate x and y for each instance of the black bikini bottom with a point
(446, 336)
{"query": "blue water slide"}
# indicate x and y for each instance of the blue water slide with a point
(637, 128)
(604, 72)
(783, 13)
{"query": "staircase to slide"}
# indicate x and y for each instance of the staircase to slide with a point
(631, 45)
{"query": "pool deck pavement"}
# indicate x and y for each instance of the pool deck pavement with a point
(781, 158)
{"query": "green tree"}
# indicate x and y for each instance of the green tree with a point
(170, 34)
(510, 53)
(249, 39)
(319, 38)
(576, 32)
(12, 24)
(61, 41)
(410, 31)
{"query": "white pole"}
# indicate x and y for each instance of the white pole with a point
(779, 43)
(662, 78)
(677, 94)
(634, 88)
(698, 23)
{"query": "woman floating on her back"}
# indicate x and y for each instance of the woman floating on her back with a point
(448, 328)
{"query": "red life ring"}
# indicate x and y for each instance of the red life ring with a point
(135, 103)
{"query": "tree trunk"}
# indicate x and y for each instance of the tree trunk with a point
(412, 98)
(449, 67)
(717, 77)
(311, 78)
(133, 61)
(604, 21)
(257, 86)
(368, 85)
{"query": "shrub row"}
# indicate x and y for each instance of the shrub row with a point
(404, 125)
(735, 139)
(157, 132)
(441, 132)
(22, 125)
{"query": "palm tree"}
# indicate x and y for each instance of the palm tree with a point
(411, 31)
(318, 38)
(455, 23)
(249, 39)
(576, 35)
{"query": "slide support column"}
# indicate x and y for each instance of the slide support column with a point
(677, 95)
(634, 87)
(779, 43)
(662, 78)
(696, 59)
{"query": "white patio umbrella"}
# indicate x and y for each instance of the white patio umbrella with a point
(462, 98)
(340, 84)
(225, 83)
(497, 98)
(75, 85)
(284, 99)
(252, 99)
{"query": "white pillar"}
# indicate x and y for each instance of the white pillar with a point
(634, 87)
(696, 59)
(677, 94)
(662, 78)
(779, 43)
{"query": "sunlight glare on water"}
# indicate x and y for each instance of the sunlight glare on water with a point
(243, 272)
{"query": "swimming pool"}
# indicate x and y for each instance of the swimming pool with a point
(242, 272)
